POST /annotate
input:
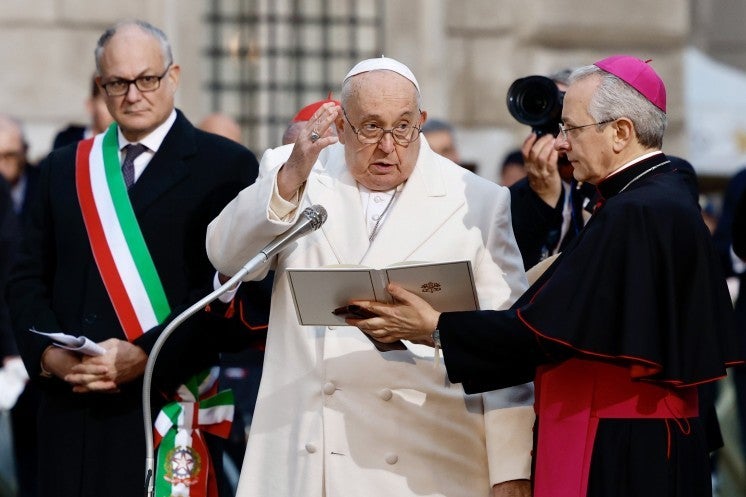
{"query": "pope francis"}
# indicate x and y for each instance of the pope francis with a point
(334, 416)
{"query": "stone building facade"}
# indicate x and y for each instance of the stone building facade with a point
(465, 54)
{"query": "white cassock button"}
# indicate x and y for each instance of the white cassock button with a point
(310, 448)
(376, 217)
(377, 199)
(332, 327)
(386, 394)
(391, 458)
(329, 388)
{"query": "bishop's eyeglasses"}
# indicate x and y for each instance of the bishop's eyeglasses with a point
(564, 130)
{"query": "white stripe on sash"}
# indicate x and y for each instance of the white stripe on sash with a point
(115, 238)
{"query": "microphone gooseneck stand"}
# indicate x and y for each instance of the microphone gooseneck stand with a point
(315, 216)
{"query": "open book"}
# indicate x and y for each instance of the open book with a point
(447, 286)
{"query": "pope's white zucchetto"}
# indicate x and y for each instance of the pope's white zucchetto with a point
(382, 63)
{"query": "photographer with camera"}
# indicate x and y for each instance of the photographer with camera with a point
(548, 206)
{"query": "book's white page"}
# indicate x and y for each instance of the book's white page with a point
(317, 292)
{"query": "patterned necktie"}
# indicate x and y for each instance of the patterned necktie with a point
(128, 167)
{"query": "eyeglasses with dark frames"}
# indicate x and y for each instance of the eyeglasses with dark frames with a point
(563, 130)
(403, 133)
(144, 84)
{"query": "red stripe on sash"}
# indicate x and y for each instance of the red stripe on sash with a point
(99, 246)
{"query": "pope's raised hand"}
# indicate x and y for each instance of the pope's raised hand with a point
(317, 134)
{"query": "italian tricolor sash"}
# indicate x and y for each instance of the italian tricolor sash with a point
(118, 245)
(136, 292)
(184, 467)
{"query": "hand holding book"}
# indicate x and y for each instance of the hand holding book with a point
(353, 314)
(409, 318)
(445, 286)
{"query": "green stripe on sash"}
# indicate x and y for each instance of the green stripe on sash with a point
(131, 228)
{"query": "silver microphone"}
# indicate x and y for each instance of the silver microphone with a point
(310, 220)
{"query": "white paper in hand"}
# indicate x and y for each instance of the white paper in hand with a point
(83, 345)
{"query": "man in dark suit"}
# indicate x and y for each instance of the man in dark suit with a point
(22, 177)
(19, 184)
(8, 349)
(80, 274)
(730, 241)
(8, 242)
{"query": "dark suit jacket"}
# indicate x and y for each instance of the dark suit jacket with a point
(738, 230)
(538, 226)
(94, 444)
(9, 237)
(30, 193)
(73, 133)
(731, 232)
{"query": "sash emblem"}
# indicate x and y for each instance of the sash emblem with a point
(183, 466)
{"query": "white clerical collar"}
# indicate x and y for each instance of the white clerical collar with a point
(632, 163)
(376, 207)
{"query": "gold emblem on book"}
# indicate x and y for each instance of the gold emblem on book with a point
(430, 287)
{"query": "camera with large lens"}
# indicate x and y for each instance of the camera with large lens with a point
(537, 102)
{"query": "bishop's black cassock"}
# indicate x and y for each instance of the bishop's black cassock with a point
(617, 334)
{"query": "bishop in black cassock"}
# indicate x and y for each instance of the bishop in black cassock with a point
(621, 328)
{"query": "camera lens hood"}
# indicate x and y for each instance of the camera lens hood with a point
(537, 102)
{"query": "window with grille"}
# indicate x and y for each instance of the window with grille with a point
(270, 58)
